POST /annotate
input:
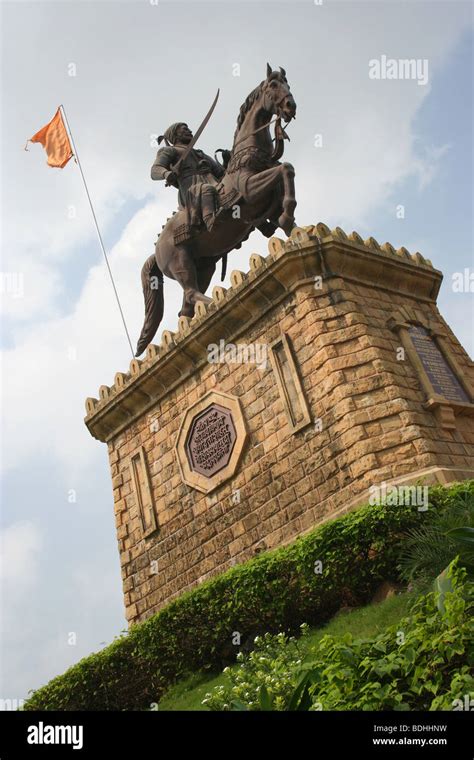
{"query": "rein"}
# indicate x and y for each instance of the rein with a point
(278, 128)
(276, 121)
(256, 130)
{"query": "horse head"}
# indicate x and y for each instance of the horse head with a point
(276, 94)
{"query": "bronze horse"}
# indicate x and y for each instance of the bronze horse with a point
(256, 191)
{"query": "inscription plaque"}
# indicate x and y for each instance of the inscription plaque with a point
(210, 440)
(440, 374)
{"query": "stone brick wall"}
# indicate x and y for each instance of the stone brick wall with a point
(369, 417)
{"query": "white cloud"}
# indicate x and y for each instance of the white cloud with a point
(117, 101)
(20, 545)
(58, 362)
(34, 290)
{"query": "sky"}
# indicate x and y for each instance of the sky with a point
(124, 71)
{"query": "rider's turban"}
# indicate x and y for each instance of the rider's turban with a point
(170, 135)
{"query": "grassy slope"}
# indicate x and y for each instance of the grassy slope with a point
(362, 623)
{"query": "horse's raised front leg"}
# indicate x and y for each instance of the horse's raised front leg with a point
(286, 220)
(254, 187)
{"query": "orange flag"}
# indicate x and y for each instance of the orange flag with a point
(54, 139)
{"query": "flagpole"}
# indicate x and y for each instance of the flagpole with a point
(76, 156)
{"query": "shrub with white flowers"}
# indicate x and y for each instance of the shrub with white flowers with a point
(429, 668)
(265, 679)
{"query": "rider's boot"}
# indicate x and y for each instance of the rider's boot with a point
(209, 221)
(208, 205)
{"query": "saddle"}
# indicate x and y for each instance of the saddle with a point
(186, 232)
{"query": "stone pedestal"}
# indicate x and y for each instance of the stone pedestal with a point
(324, 371)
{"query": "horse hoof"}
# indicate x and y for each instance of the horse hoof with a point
(188, 311)
(287, 223)
(267, 228)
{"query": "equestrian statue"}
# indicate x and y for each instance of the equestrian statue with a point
(220, 204)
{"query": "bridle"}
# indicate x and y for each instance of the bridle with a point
(276, 121)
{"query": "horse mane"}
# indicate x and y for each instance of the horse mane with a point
(246, 106)
(250, 99)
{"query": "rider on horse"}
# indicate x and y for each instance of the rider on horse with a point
(196, 179)
(256, 190)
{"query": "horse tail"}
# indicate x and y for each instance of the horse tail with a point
(152, 284)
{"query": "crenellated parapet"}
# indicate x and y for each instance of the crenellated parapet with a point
(309, 252)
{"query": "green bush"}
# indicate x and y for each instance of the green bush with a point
(429, 548)
(424, 662)
(276, 591)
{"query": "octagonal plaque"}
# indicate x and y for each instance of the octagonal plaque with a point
(210, 441)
